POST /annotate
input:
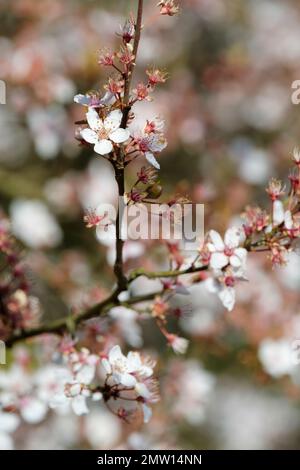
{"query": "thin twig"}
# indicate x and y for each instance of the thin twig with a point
(119, 164)
(66, 324)
(128, 78)
(161, 274)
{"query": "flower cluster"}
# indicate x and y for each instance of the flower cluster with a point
(227, 261)
(283, 231)
(125, 384)
(26, 394)
(149, 141)
(18, 309)
(129, 379)
(75, 386)
(276, 232)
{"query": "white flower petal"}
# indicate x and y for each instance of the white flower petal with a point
(239, 260)
(97, 396)
(75, 389)
(235, 261)
(216, 240)
(211, 247)
(34, 411)
(93, 119)
(86, 393)
(218, 260)
(86, 374)
(180, 345)
(115, 354)
(89, 135)
(276, 357)
(288, 220)
(152, 160)
(128, 380)
(142, 390)
(113, 120)
(108, 98)
(146, 371)
(232, 237)
(79, 405)
(212, 285)
(120, 135)
(84, 100)
(278, 213)
(227, 297)
(103, 147)
(156, 142)
(59, 400)
(105, 363)
(134, 361)
(241, 253)
(182, 290)
(147, 413)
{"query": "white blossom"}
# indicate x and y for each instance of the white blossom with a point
(32, 409)
(276, 356)
(151, 142)
(17, 390)
(74, 384)
(103, 133)
(124, 369)
(227, 252)
(34, 224)
(226, 294)
(136, 374)
(75, 399)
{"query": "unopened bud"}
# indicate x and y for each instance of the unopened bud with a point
(154, 191)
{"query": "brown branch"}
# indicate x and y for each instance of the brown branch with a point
(161, 274)
(119, 164)
(67, 324)
(128, 78)
(118, 266)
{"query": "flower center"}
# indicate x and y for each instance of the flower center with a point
(144, 145)
(228, 251)
(120, 366)
(103, 133)
(229, 281)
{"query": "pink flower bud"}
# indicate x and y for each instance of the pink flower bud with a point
(168, 7)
